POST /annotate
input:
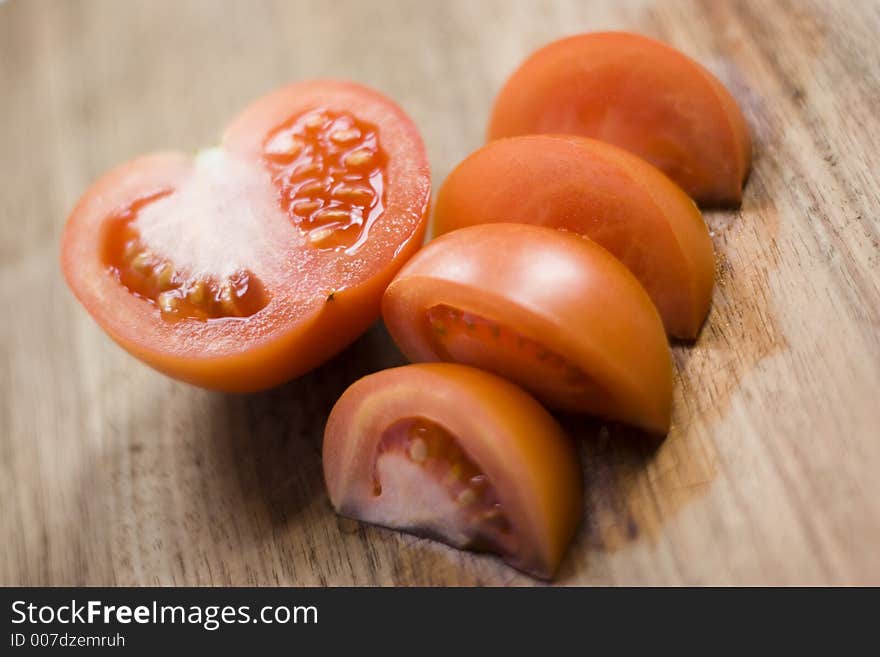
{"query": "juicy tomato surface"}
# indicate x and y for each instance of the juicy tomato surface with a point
(550, 310)
(257, 260)
(460, 455)
(595, 189)
(639, 94)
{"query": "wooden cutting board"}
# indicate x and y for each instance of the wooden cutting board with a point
(112, 474)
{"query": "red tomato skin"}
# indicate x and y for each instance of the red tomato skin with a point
(603, 192)
(639, 94)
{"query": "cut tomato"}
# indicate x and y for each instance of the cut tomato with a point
(456, 454)
(598, 190)
(639, 94)
(259, 259)
(552, 311)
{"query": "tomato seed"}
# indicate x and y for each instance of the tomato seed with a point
(345, 136)
(332, 215)
(358, 158)
(451, 327)
(336, 160)
(357, 195)
(164, 276)
(306, 208)
(418, 450)
(142, 261)
(320, 235)
(196, 293)
(310, 188)
(168, 302)
(315, 121)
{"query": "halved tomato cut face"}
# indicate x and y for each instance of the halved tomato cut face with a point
(601, 191)
(550, 310)
(639, 94)
(459, 455)
(256, 260)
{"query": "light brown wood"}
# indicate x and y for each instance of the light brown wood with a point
(112, 474)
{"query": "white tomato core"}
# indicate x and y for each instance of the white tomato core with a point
(425, 483)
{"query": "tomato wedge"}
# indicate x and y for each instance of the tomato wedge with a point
(456, 454)
(552, 311)
(639, 94)
(257, 260)
(601, 191)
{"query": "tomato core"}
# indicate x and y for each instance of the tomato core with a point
(329, 170)
(177, 294)
(467, 491)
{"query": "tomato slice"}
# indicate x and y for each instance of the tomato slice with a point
(598, 190)
(639, 94)
(257, 260)
(552, 311)
(456, 454)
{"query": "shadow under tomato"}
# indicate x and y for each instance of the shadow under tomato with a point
(189, 487)
(613, 458)
(274, 437)
(635, 482)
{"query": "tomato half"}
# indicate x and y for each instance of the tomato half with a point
(457, 454)
(601, 191)
(550, 310)
(257, 260)
(639, 94)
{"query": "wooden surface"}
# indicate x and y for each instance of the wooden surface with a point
(112, 474)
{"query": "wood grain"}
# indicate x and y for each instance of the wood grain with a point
(112, 474)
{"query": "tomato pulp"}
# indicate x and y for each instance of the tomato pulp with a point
(456, 454)
(257, 260)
